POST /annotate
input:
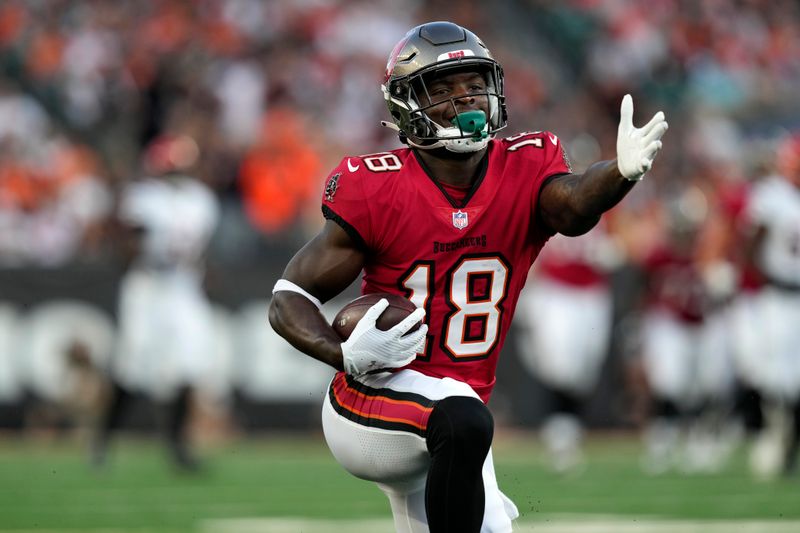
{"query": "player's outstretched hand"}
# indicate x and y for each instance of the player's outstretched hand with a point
(637, 147)
(369, 348)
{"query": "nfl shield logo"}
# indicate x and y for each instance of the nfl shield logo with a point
(460, 220)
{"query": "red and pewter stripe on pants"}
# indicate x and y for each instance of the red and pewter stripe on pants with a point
(380, 408)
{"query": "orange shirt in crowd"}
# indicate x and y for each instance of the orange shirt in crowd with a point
(280, 174)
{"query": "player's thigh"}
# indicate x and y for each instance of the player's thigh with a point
(713, 361)
(781, 355)
(376, 425)
(792, 352)
(555, 346)
(593, 331)
(375, 454)
(746, 337)
(667, 345)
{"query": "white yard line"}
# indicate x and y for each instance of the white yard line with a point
(554, 525)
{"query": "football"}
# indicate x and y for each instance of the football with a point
(347, 318)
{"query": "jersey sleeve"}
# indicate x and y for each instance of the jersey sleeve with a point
(537, 155)
(555, 160)
(344, 202)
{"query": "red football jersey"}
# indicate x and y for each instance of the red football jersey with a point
(464, 261)
(733, 200)
(574, 260)
(674, 284)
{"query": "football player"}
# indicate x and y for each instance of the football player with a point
(165, 319)
(733, 286)
(683, 348)
(453, 222)
(570, 289)
(774, 210)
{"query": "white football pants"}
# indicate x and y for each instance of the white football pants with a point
(375, 427)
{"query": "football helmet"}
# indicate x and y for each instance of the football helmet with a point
(430, 51)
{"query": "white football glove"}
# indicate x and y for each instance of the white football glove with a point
(637, 147)
(369, 348)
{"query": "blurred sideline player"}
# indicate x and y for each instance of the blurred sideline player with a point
(454, 222)
(774, 212)
(565, 314)
(684, 351)
(734, 284)
(165, 319)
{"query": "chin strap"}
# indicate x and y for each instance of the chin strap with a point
(394, 127)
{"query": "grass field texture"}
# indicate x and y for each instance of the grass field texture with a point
(47, 487)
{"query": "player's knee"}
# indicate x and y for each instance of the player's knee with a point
(462, 423)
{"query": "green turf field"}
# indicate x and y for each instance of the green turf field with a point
(49, 487)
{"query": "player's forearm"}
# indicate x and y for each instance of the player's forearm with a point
(298, 321)
(572, 204)
(599, 189)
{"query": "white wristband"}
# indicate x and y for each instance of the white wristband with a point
(286, 285)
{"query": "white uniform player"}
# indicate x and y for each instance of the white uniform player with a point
(165, 317)
(565, 315)
(723, 248)
(775, 206)
(775, 213)
(166, 344)
(685, 356)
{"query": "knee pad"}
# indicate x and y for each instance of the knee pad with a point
(463, 423)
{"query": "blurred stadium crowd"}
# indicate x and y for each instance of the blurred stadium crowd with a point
(258, 100)
(272, 93)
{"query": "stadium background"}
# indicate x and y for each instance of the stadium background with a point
(271, 95)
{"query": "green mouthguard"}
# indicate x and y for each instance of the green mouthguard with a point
(472, 122)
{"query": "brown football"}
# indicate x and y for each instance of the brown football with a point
(347, 318)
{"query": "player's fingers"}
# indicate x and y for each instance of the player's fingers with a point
(652, 149)
(409, 322)
(412, 344)
(419, 345)
(655, 133)
(626, 112)
(411, 340)
(423, 332)
(657, 120)
(375, 311)
(646, 164)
